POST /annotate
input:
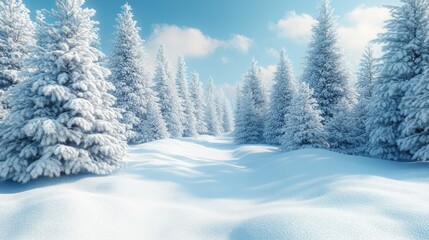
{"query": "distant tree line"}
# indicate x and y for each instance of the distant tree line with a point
(385, 115)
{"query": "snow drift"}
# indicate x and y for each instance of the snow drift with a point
(209, 188)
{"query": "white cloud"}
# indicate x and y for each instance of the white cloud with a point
(189, 42)
(192, 42)
(294, 26)
(180, 41)
(361, 26)
(239, 42)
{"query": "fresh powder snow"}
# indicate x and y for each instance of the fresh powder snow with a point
(209, 188)
(68, 110)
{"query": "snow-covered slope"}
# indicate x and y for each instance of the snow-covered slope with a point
(211, 189)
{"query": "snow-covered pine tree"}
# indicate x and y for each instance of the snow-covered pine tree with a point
(405, 57)
(187, 105)
(415, 128)
(237, 111)
(133, 84)
(342, 130)
(249, 127)
(213, 125)
(237, 102)
(346, 130)
(414, 138)
(169, 101)
(61, 119)
(366, 76)
(16, 44)
(227, 113)
(304, 128)
(220, 111)
(281, 97)
(325, 70)
(244, 132)
(154, 127)
(197, 96)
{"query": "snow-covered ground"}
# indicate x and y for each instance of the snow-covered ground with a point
(211, 189)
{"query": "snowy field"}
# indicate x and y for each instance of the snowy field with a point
(211, 189)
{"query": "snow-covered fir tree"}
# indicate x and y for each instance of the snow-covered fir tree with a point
(16, 44)
(237, 99)
(133, 84)
(220, 111)
(61, 119)
(325, 69)
(198, 99)
(227, 113)
(405, 57)
(304, 128)
(237, 108)
(366, 76)
(214, 127)
(244, 132)
(169, 101)
(342, 130)
(249, 123)
(281, 97)
(346, 130)
(187, 105)
(415, 128)
(414, 138)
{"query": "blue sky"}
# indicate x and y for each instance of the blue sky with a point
(219, 38)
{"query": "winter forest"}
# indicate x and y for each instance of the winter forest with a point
(67, 108)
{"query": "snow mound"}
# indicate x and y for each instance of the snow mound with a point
(209, 188)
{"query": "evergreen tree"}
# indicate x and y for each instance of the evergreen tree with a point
(16, 44)
(237, 101)
(213, 125)
(415, 128)
(237, 112)
(154, 127)
(281, 97)
(342, 130)
(304, 128)
(168, 97)
(325, 70)
(187, 105)
(133, 84)
(414, 138)
(249, 127)
(228, 120)
(61, 119)
(346, 129)
(244, 132)
(220, 110)
(227, 113)
(197, 96)
(366, 76)
(405, 56)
